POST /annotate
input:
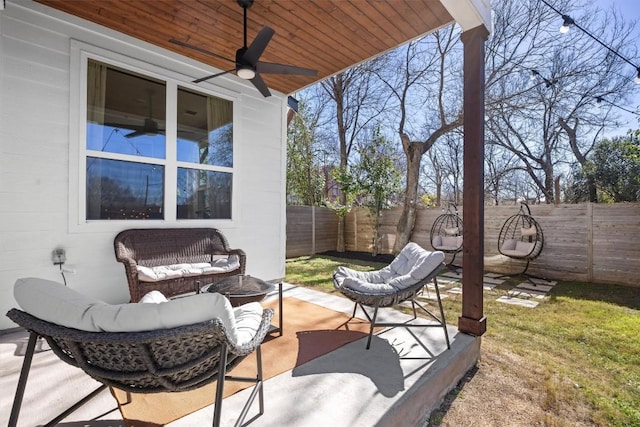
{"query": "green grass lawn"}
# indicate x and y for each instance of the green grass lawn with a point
(582, 343)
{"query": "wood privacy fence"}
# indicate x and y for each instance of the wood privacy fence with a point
(586, 242)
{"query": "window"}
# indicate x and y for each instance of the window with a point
(205, 140)
(132, 172)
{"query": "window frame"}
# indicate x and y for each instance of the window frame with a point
(81, 53)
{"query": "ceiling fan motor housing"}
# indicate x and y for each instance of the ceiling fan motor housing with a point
(244, 69)
(245, 3)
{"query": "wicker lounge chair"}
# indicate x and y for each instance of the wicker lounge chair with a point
(190, 353)
(400, 281)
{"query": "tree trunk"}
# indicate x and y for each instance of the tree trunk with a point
(408, 216)
(340, 245)
(376, 234)
(580, 157)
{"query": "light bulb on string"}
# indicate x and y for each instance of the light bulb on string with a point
(566, 24)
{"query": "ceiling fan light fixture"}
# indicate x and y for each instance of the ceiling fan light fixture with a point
(246, 72)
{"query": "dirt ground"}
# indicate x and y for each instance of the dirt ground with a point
(503, 390)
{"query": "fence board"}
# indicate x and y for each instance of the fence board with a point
(588, 242)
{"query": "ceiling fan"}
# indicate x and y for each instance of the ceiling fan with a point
(247, 64)
(149, 126)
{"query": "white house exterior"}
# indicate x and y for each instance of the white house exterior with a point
(43, 57)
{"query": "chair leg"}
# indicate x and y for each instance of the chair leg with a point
(260, 379)
(22, 382)
(373, 322)
(444, 323)
(257, 390)
(222, 370)
(413, 306)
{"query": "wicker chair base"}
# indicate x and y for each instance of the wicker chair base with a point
(167, 360)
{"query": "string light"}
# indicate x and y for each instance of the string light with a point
(600, 100)
(568, 22)
(548, 83)
(535, 74)
(566, 25)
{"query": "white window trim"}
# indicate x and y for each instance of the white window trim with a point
(80, 54)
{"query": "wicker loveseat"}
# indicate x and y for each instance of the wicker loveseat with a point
(175, 260)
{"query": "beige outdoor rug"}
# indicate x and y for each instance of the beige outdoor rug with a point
(309, 332)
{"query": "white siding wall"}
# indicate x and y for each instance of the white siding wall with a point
(36, 110)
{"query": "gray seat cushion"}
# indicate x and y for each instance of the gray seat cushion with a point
(411, 266)
(59, 304)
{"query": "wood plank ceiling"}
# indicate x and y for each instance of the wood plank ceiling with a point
(326, 35)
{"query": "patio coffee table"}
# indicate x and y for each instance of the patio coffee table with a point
(241, 289)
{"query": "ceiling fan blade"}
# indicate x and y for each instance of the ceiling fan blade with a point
(260, 85)
(199, 49)
(134, 134)
(201, 79)
(121, 126)
(258, 45)
(273, 68)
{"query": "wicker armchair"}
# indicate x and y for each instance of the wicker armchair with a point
(400, 281)
(180, 358)
(147, 248)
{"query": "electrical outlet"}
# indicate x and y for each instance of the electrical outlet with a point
(58, 256)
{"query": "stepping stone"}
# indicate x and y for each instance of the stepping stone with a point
(543, 281)
(532, 287)
(526, 293)
(455, 290)
(518, 301)
(493, 275)
(488, 286)
(445, 282)
(453, 275)
(431, 297)
(492, 280)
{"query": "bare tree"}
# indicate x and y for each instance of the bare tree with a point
(537, 121)
(421, 75)
(356, 106)
(500, 166)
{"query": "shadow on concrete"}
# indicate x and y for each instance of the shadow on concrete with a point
(381, 364)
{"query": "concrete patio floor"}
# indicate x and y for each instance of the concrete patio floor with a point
(397, 382)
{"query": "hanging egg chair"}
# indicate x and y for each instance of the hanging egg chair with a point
(446, 233)
(521, 237)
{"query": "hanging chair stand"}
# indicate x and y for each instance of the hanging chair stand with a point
(521, 237)
(446, 235)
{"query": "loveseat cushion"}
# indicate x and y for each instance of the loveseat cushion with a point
(153, 297)
(172, 271)
(53, 302)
